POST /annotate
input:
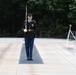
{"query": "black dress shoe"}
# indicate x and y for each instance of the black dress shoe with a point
(30, 59)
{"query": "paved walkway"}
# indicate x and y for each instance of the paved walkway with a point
(50, 58)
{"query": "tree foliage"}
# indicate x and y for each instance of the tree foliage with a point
(53, 16)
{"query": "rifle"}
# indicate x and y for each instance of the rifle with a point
(26, 18)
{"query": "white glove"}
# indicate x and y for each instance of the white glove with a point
(25, 30)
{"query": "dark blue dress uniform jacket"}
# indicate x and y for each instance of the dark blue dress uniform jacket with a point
(32, 26)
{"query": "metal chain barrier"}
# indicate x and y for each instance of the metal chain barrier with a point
(23, 32)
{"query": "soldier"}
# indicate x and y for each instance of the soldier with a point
(29, 34)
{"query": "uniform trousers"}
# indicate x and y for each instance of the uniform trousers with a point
(29, 47)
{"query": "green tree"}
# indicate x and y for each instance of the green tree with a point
(53, 16)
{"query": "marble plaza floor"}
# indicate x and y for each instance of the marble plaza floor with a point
(51, 57)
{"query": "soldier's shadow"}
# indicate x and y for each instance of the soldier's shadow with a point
(36, 56)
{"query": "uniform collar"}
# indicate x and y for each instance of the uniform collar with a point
(29, 21)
